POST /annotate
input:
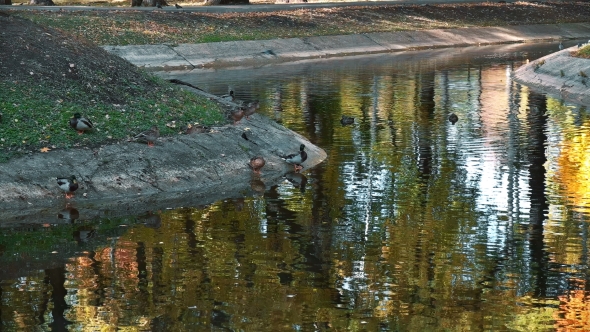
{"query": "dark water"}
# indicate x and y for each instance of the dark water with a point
(411, 224)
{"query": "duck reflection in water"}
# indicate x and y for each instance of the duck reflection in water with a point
(257, 186)
(84, 233)
(69, 214)
(151, 219)
(297, 179)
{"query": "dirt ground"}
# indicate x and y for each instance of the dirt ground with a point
(42, 48)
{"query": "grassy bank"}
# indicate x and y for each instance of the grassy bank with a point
(47, 75)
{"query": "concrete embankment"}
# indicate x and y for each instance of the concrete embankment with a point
(266, 52)
(558, 74)
(130, 178)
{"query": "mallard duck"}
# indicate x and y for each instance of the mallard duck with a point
(68, 185)
(148, 136)
(256, 163)
(231, 95)
(297, 159)
(80, 123)
(196, 129)
(237, 114)
(453, 118)
(346, 120)
(251, 109)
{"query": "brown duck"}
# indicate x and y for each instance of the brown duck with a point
(149, 136)
(251, 109)
(256, 163)
(237, 114)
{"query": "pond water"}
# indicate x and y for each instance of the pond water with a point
(412, 223)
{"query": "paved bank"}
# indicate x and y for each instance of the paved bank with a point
(264, 52)
(129, 178)
(558, 74)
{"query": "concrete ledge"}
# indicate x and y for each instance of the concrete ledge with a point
(558, 74)
(130, 177)
(264, 52)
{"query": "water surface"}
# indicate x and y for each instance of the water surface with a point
(412, 223)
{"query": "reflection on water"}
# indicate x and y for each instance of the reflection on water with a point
(413, 223)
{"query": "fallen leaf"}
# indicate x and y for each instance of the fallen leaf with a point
(45, 149)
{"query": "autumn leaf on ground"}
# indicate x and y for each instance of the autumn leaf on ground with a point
(45, 149)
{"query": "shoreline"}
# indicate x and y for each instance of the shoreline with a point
(558, 74)
(191, 169)
(258, 53)
(131, 178)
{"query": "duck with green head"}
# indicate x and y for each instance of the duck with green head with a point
(296, 159)
(80, 123)
(68, 185)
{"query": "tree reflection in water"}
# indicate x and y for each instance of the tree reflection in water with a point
(413, 223)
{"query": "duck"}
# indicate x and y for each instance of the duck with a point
(149, 136)
(346, 120)
(453, 118)
(230, 96)
(196, 129)
(68, 185)
(177, 6)
(80, 123)
(256, 163)
(296, 159)
(237, 114)
(251, 109)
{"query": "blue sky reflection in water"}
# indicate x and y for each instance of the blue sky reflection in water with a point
(411, 224)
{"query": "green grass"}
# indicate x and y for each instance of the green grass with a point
(583, 52)
(35, 117)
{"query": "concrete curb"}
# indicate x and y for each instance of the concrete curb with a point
(266, 52)
(558, 74)
(130, 178)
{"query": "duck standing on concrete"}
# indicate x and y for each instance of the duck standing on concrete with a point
(196, 129)
(149, 136)
(296, 159)
(230, 96)
(68, 185)
(237, 114)
(251, 109)
(256, 163)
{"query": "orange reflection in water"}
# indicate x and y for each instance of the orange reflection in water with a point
(574, 312)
